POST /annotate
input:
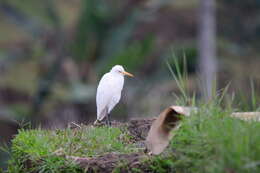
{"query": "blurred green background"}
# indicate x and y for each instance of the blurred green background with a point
(53, 53)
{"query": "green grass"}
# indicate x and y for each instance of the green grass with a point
(45, 150)
(212, 142)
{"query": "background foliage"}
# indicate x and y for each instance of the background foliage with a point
(53, 53)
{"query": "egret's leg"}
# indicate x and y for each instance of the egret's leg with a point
(108, 118)
(108, 122)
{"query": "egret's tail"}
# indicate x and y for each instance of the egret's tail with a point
(101, 115)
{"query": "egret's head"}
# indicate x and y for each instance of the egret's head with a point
(120, 70)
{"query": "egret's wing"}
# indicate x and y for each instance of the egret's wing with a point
(114, 100)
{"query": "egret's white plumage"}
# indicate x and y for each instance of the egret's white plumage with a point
(109, 91)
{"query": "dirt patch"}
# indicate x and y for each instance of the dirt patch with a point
(108, 162)
(139, 128)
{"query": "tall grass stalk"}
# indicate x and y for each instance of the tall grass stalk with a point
(181, 79)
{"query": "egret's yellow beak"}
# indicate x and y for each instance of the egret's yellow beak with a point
(127, 74)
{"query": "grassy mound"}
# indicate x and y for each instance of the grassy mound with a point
(45, 151)
(209, 141)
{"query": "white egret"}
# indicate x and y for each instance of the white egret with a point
(109, 92)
